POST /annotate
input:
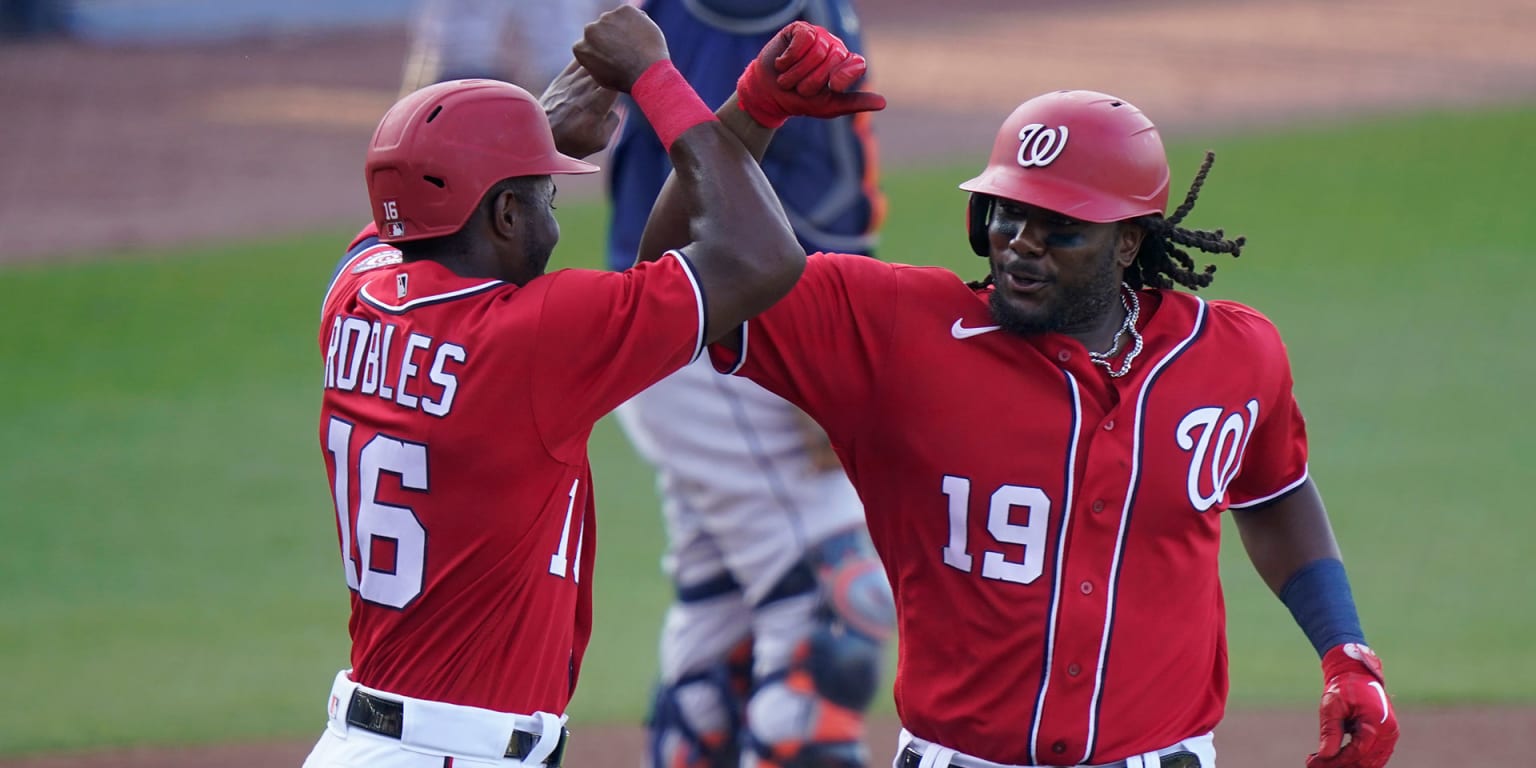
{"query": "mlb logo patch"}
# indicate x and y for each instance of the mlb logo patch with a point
(396, 229)
(335, 705)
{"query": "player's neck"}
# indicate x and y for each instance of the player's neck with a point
(466, 266)
(481, 265)
(1099, 335)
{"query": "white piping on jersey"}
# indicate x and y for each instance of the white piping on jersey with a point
(1061, 559)
(1111, 589)
(581, 533)
(741, 359)
(698, 300)
(347, 267)
(1306, 472)
(436, 297)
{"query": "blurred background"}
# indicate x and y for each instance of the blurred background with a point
(177, 179)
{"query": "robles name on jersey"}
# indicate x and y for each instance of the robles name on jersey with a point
(362, 358)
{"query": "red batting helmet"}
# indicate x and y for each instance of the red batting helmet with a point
(1083, 154)
(439, 150)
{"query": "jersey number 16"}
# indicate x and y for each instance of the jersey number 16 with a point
(396, 584)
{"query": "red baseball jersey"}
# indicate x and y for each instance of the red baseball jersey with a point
(454, 428)
(1050, 533)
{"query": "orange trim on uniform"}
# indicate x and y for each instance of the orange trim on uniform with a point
(864, 132)
(836, 723)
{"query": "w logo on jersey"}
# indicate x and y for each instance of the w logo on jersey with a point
(1218, 438)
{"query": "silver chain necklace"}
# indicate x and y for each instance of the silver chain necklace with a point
(1132, 312)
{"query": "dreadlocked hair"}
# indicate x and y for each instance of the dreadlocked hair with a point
(1160, 263)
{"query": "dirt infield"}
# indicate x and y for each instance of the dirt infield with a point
(123, 148)
(1431, 739)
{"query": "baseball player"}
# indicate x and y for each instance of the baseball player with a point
(461, 384)
(771, 650)
(1044, 455)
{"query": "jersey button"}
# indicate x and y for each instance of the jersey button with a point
(1074, 670)
(1109, 425)
(1098, 505)
(1063, 355)
(1059, 747)
(1086, 587)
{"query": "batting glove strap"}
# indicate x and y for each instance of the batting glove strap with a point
(1351, 657)
(754, 92)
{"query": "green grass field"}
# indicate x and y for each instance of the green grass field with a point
(167, 564)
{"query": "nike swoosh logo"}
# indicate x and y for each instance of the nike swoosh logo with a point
(1385, 707)
(961, 332)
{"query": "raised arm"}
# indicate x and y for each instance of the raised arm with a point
(738, 241)
(804, 70)
(581, 113)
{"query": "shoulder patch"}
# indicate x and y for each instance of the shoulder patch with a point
(382, 256)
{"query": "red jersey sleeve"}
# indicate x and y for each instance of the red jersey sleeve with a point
(605, 336)
(822, 347)
(1275, 459)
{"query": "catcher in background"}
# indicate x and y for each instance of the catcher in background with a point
(1044, 455)
(772, 648)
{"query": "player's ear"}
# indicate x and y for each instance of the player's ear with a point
(1128, 242)
(504, 213)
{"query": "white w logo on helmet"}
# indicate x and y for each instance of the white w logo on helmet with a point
(1040, 146)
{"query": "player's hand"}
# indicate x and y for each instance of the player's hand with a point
(618, 47)
(804, 70)
(1359, 729)
(581, 112)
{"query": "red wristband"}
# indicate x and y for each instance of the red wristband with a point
(669, 102)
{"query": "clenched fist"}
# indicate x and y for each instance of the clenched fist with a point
(804, 70)
(1358, 727)
(618, 47)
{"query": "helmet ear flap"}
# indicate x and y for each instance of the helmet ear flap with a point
(978, 216)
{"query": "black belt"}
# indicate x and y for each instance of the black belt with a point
(911, 757)
(382, 716)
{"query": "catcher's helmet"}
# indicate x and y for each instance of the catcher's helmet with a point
(1083, 154)
(440, 149)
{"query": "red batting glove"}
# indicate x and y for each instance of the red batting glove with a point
(1359, 729)
(804, 70)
